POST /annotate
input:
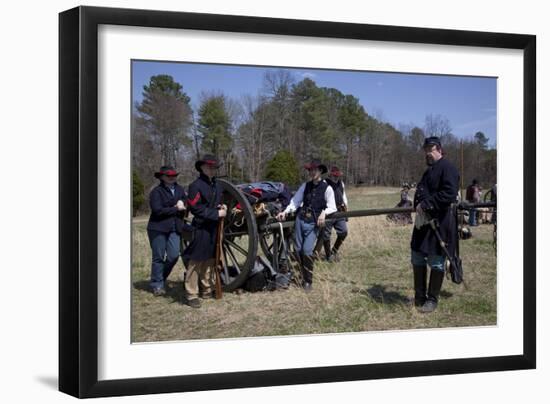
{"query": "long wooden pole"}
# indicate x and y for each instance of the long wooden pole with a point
(374, 212)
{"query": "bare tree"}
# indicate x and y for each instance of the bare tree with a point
(437, 125)
(277, 89)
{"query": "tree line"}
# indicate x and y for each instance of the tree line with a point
(268, 136)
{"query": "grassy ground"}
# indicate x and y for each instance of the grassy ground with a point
(370, 289)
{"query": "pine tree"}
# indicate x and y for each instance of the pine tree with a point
(166, 113)
(283, 167)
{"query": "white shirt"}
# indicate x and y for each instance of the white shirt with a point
(344, 194)
(298, 198)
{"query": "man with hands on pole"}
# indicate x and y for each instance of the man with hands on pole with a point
(204, 201)
(313, 201)
(340, 226)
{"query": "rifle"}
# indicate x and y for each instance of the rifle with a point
(219, 265)
(457, 273)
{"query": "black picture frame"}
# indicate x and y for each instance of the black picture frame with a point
(78, 206)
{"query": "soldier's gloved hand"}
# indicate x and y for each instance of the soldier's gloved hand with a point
(281, 216)
(222, 211)
(180, 205)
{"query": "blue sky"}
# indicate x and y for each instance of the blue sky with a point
(469, 103)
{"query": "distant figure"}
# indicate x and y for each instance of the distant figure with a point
(405, 202)
(435, 193)
(473, 195)
(491, 196)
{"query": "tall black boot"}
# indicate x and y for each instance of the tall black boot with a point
(436, 280)
(337, 244)
(307, 272)
(326, 245)
(420, 277)
(339, 240)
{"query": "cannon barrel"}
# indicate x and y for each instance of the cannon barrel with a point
(374, 212)
(467, 205)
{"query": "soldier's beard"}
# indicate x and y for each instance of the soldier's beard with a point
(429, 160)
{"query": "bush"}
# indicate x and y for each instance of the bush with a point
(283, 167)
(138, 193)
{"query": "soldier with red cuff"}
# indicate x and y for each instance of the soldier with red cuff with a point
(204, 202)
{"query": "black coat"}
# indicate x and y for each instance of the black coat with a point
(164, 216)
(204, 198)
(435, 193)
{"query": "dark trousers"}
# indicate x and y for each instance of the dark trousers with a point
(341, 227)
(165, 249)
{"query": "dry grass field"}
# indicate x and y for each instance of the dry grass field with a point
(369, 289)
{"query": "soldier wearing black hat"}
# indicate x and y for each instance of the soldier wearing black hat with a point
(473, 195)
(205, 195)
(314, 200)
(435, 193)
(165, 226)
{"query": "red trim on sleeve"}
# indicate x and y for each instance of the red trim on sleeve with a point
(194, 201)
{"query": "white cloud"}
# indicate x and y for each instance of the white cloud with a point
(307, 75)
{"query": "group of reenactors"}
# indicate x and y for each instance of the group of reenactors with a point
(313, 203)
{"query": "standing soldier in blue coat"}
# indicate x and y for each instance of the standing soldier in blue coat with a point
(164, 227)
(314, 200)
(435, 193)
(340, 225)
(204, 201)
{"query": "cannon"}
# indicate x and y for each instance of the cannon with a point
(248, 230)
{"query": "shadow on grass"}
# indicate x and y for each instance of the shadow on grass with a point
(380, 294)
(174, 291)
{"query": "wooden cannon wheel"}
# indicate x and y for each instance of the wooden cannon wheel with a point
(240, 241)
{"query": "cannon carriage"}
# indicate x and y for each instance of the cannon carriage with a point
(250, 230)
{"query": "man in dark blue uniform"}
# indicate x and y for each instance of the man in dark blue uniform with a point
(164, 227)
(204, 202)
(340, 226)
(435, 193)
(314, 200)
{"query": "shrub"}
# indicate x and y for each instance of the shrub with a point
(283, 167)
(138, 193)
